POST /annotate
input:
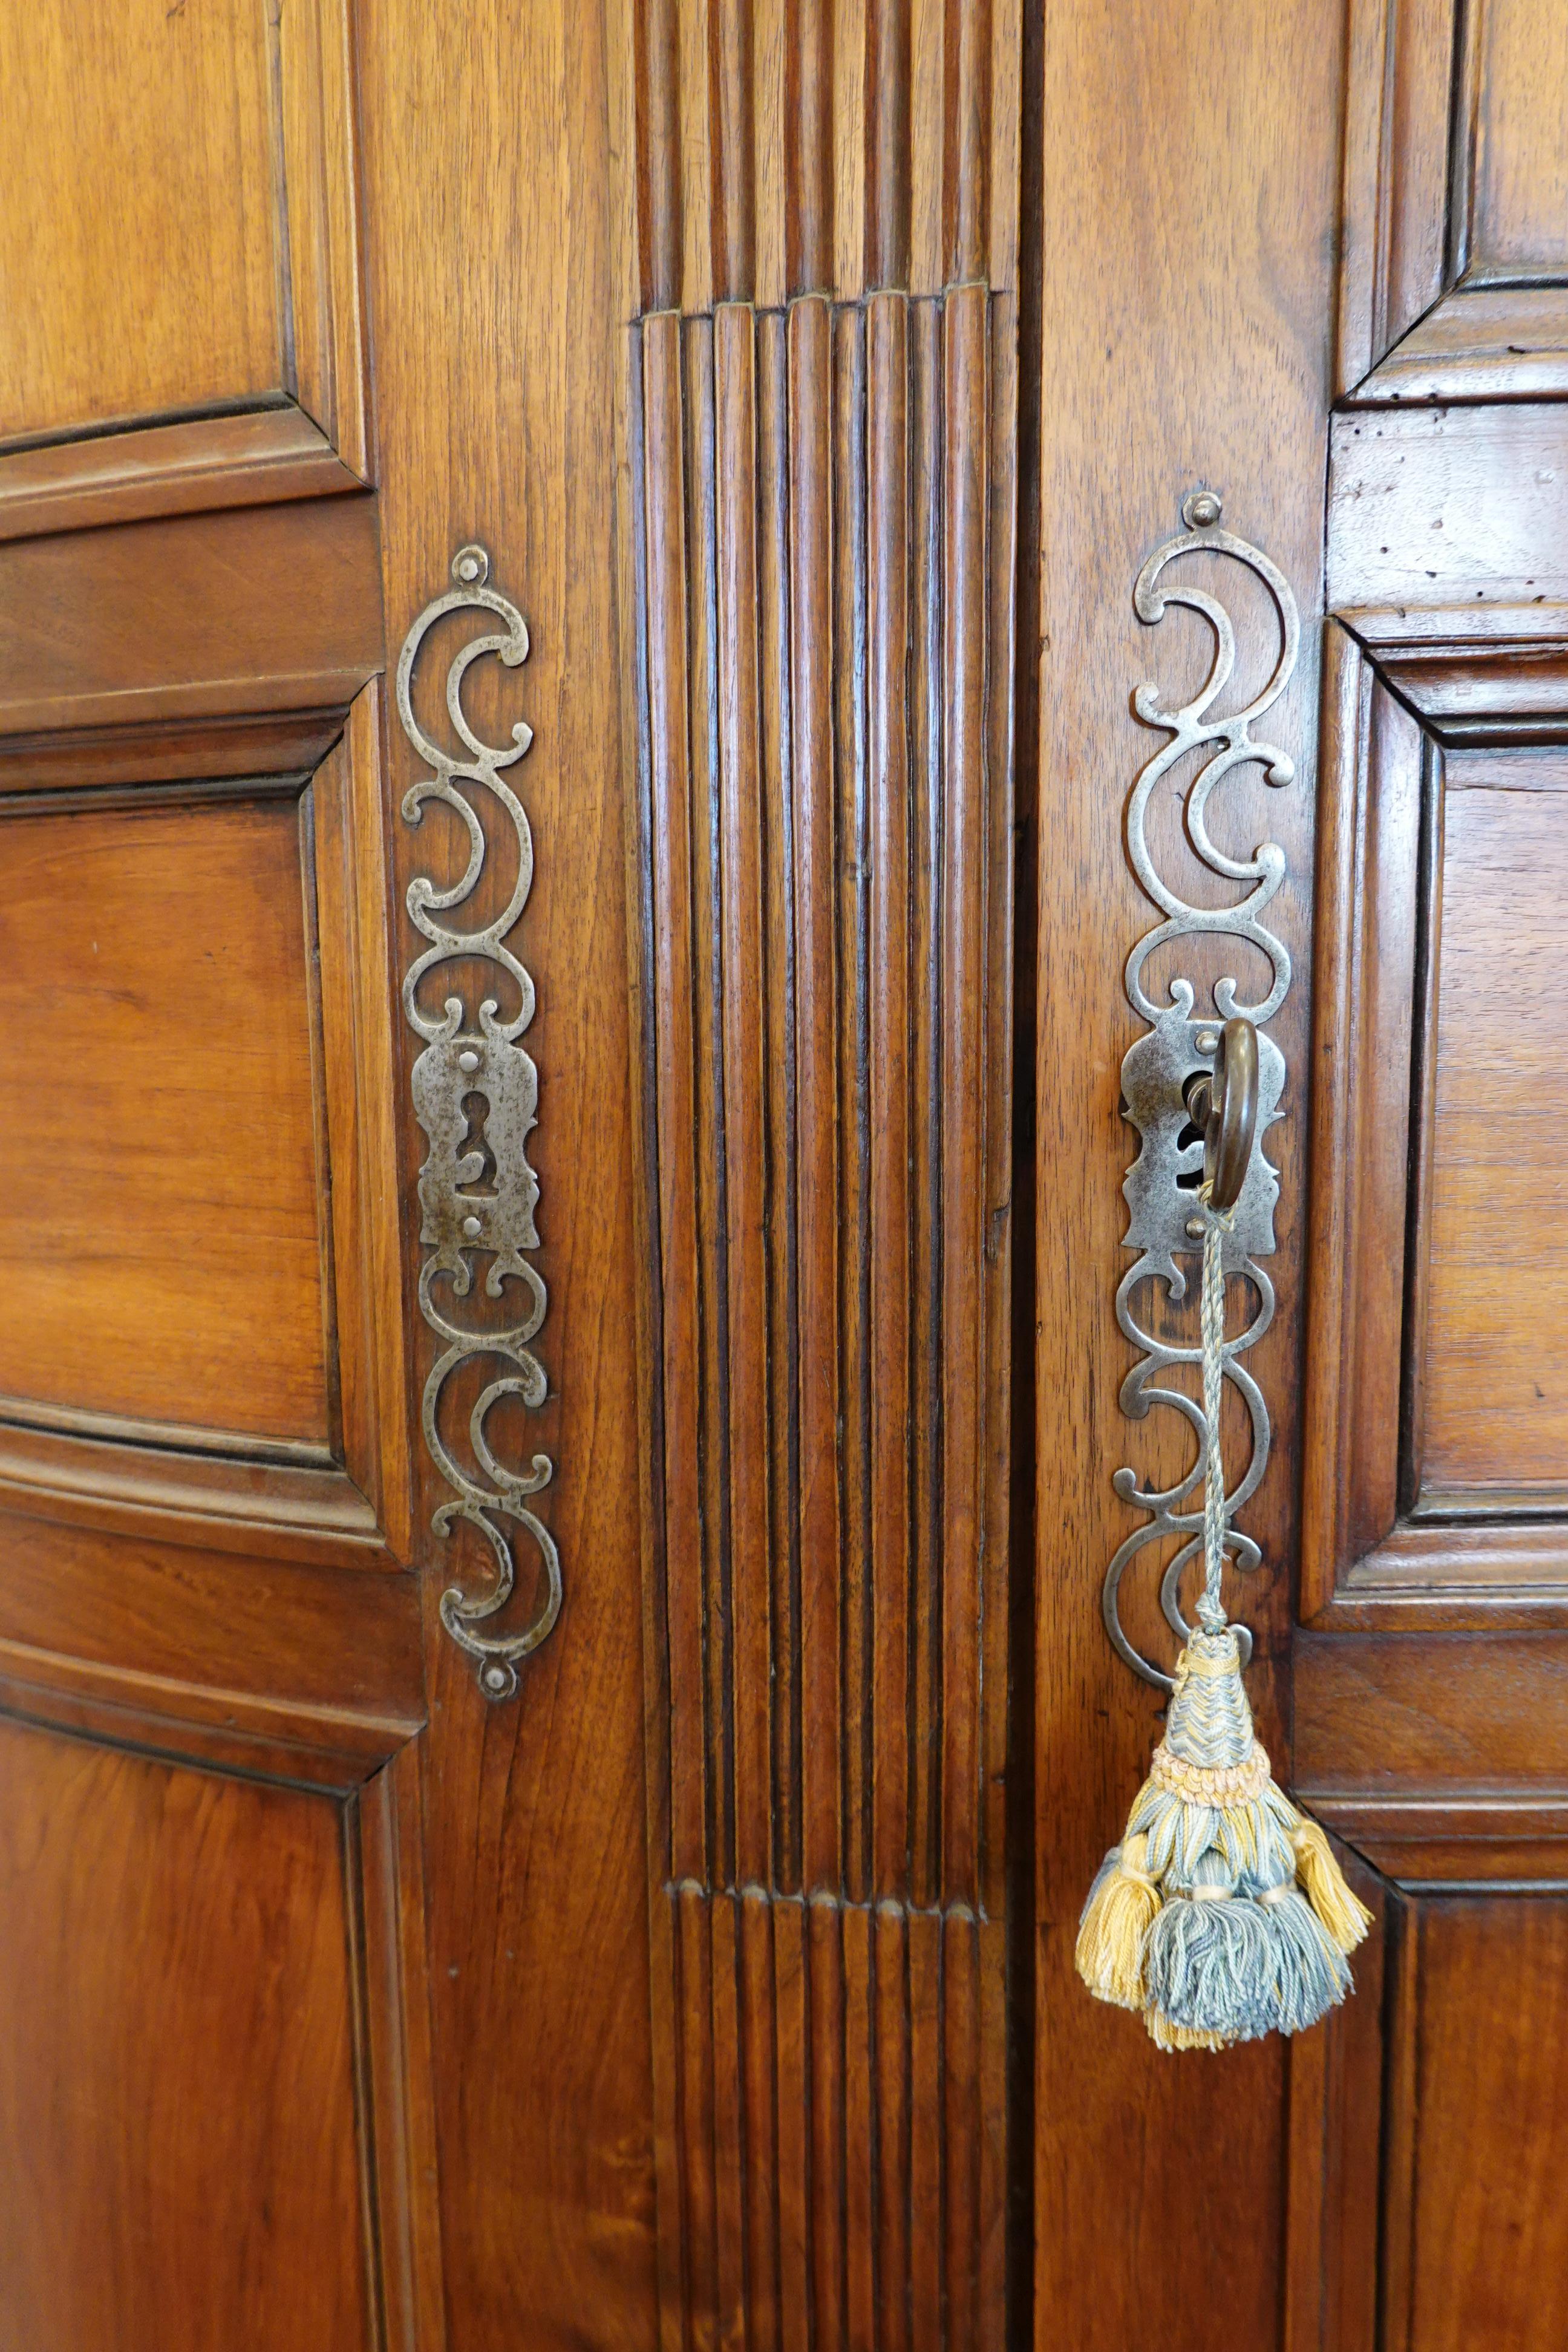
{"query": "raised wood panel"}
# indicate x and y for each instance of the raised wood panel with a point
(1494, 1367)
(169, 159)
(1427, 2117)
(191, 247)
(1455, 192)
(784, 151)
(178, 2106)
(269, 609)
(1477, 2232)
(146, 1622)
(1511, 165)
(159, 1180)
(825, 554)
(183, 1441)
(1434, 1468)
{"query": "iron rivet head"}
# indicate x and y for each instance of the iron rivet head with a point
(470, 567)
(1195, 1229)
(1202, 509)
(469, 1060)
(497, 1678)
(1207, 1041)
(472, 1228)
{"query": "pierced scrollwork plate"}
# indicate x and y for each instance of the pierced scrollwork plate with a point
(1161, 1185)
(471, 1055)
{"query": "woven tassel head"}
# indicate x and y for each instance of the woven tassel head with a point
(1222, 1914)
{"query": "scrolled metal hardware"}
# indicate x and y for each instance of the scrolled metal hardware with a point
(467, 1057)
(1159, 1070)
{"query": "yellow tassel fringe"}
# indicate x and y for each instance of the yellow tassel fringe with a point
(1343, 1913)
(1112, 1935)
(1166, 2036)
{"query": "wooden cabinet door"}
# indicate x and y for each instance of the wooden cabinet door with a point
(1314, 259)
(515, 505)
(625, 518)
(323, 2009)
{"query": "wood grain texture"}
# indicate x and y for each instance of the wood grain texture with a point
(488, 196)
(139, 263)
(1187, 334)
(270, 608)
(784, 151)
(138, 1897)
(258, 458)
(1380, 799)
(1511, 177)
(193, 245)
(174, 1272)
(826, 838)
(838, 2182)
(1478, 2063)
(1428, 974)
(1453, 184)
(1423, 515)
(1493, 1378)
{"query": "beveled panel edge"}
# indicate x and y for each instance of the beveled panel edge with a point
(1480, 343)
(334, 1749)
(254, 456)
(1443, 1567)
(235, 747)
(1453, 1843)
(226, 1490)
(221, 1502)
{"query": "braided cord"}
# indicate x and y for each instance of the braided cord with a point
(1211, 1609)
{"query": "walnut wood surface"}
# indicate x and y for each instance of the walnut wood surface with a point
(258, 458)
(138, 261)
(1187, 331)
(822, 555)
(701, 1994)
(192, 246)
(138, 1281)
(273, 608)
(137, 1893)
(1495, 1383)
(487, 191)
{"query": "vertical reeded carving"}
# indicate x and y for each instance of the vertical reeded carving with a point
(826, 844)
(786, 147)
(821, 443)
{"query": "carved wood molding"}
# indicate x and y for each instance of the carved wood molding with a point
(791, 149)
(823, 510)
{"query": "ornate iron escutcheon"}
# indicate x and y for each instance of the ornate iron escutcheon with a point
(1180, 1046)
(476, 1057)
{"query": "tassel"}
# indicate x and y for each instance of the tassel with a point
(1116, 1919)
(1341, 1912)
(1223, 1915)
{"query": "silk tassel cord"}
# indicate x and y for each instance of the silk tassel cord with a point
(1223, 1915)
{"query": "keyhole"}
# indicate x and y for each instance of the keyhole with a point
(1189, 1179)
(475, 1109)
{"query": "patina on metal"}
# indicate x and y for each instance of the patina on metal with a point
(472, 1056)
(1170, 1085)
